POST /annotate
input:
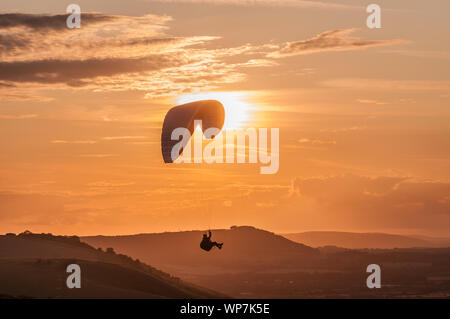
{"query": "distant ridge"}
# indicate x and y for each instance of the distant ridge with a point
(362, 240)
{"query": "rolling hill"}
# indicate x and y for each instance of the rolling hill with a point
(34, 266)
(245, 248)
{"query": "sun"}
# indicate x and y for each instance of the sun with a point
(237, 108)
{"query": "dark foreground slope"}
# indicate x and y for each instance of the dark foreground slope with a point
(33, 265)
(363, 240)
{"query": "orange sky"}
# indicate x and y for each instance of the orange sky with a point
(363, 115)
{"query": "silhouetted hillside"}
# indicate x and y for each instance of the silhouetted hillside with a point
(245, 249)
(34, 265)
(436, 241)
(361, 240)
(259, 264)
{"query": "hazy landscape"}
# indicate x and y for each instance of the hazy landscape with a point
(365, 240)
(253, 263)
(258, 264)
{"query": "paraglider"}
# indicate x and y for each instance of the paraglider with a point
(212, 115)
(210, 112)
(207, 244)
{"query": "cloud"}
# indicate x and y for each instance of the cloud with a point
(122, 53)
(6, 85)
(385, 84)
(311, 144)
(17, 117)
(98, 155)
(397, 202)
(342, 188)
(107, 184)
(259, 63)
(274, 3)
(333, 40)
(35, 210)
(73, 72)
(106, 138)
(315, 142)
(73, 142)
(30, 37)
(113, 138)
(48, 22)
(19, 95)
(370, 101)
(430, 54)
(21, 208)
(345, 129)
(27, 37)
(111, 53)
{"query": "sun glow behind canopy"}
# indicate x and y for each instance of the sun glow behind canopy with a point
(235, 103)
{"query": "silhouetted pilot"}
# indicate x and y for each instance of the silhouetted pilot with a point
(207, 244)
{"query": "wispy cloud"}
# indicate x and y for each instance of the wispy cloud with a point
(30, 37)
(398, 200)
(17, 117)
(106, 138)
(73, 142)
(370, 101)
(316, 141)
(430, 54)
(128, 137)
(272, 3)
(97, 155)
(384, 84)
(78, 72)
(21, 95)
(332, 40)
(48, 22)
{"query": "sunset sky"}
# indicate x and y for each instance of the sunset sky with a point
(364, 115)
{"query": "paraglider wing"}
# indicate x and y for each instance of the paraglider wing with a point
(210, 112)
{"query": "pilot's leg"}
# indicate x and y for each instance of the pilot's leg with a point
(217, 245)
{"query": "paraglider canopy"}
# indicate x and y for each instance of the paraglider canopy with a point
(210, 112)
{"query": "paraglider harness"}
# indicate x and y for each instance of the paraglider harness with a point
(207, 244)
